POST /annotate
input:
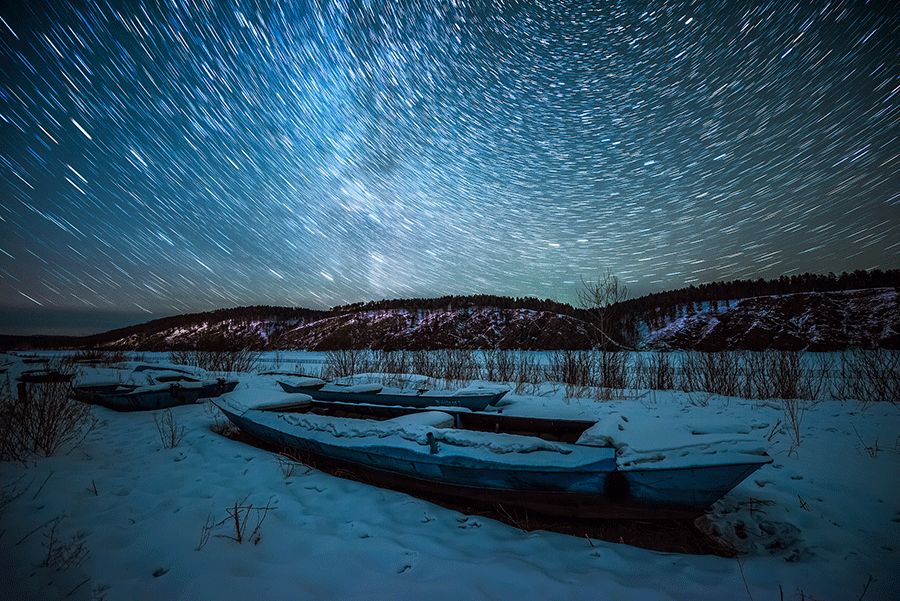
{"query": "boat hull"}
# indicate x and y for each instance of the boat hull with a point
(147, 401)
(474, 402)
(592, 491)
(212, 390)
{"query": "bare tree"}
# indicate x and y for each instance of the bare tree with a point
(596, 297)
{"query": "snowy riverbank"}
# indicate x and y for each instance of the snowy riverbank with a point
(817, 522)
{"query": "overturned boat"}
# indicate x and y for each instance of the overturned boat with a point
(490, 459)
(475, 399)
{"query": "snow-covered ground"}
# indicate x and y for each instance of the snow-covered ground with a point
(817, 523)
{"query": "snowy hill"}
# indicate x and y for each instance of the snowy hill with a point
(469, 327)
(818, 321)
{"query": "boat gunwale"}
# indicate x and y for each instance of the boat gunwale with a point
(435, 459)
(566, 431)
(414, 394)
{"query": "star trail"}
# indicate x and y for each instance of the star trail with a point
(179, 156)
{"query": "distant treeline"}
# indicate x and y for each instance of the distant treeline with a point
(453, 303)
(661, 305)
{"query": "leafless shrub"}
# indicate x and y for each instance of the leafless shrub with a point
(339, 364)
(655, 372)
(238, 516)
(42, 418)
(779, 375)
(392, 362)
(792, 377)
(170, 433)
(870, 376)
(574, 369)
(225, 428)
(499, 365)
(218, 353)
(220, 424)
(690, 376)
(61, 554)
(871, 450)
(233, 360)
(424, 363)
(640, 372)
(528, 375)
(793, 417)
(756, 383)
(455, 365)
(611, 370)
(206, 531)
(99, 356)
(288, 464)
(699, 398)
(717, 373)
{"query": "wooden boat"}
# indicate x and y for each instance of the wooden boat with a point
(141, 398)
(211, 389)
(485, 458)
(375, 394)
(168, 387)
(221, 386)
(86, 392)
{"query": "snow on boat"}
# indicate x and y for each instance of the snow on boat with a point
(475, 399)
(492, 459)
(86, 393)
(144, 398)
(211, 388)
(157, 387)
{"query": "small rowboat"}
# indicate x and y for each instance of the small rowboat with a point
(143, 398)
(487, 458)
(475, 399)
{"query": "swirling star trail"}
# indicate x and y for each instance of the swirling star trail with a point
(178, 156)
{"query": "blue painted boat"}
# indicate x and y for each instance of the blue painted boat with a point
(145, 398)
(375, 394)
(221, 386)
(485, 458)
(87, 393)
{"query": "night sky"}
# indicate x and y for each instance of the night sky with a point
(173, 157)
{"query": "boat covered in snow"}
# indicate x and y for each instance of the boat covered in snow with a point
(143, 398)
(162, 391)
(549, 466)
(475, 399)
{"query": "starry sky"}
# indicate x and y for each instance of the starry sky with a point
(167, 157)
